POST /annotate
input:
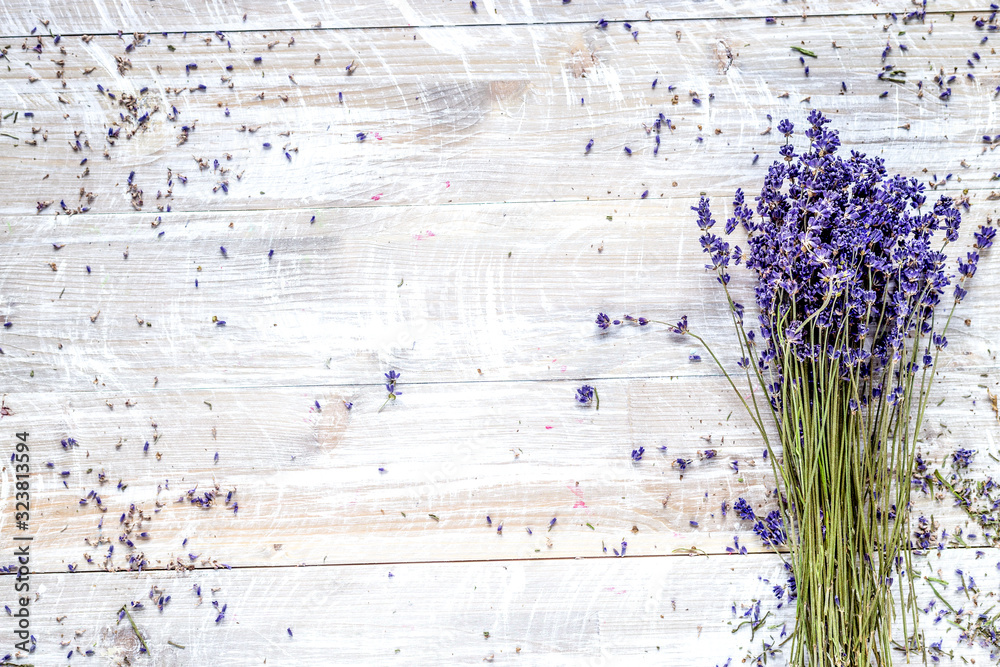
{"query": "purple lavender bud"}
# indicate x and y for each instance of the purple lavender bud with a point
(961, 458)
(984, 237)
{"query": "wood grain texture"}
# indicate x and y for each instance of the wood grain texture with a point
(336, 486)
(608, 611)
(479, 114)
(467, 242)
(18, 17)
(494, 292)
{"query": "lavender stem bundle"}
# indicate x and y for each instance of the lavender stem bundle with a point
(849, 270)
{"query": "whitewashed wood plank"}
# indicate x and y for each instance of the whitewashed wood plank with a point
(18, 17)
(640, 611)
(466, 115)
(336, 486)
(550, 612)
(501, 292)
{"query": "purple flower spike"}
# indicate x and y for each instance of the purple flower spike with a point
(390, 387)
(705, 221)
(835, 245)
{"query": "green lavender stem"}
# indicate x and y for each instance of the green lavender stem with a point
(846, 472)
(135, 629)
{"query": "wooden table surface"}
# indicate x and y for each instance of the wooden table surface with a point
(419, 171)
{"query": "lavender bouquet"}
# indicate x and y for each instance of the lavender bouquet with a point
(850, 269)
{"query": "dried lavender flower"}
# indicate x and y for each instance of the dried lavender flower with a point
(849, 268)
(586, 395)
(390, 388)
